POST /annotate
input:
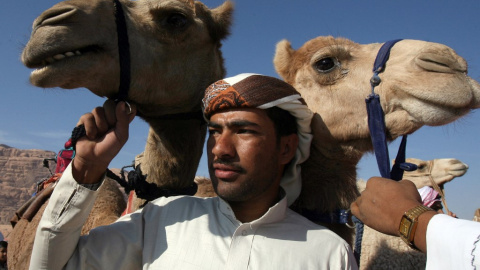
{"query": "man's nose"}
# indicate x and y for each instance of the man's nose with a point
(224, 146)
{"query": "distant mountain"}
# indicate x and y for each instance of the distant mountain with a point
(20, 170)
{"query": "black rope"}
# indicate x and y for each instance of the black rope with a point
(77, 132)
(144, 190)
(123, 51)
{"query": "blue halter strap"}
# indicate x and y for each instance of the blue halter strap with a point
(376, 116)
(376, 124)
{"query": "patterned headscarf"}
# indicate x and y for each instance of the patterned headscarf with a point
(258, 91)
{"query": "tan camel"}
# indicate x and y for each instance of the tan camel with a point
(442, 171)
(424, 83)
(175, 54)
(476, 216)
(381, 251)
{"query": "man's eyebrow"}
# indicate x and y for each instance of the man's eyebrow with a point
(234, 123)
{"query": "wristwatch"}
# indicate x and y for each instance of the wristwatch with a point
(409, 222)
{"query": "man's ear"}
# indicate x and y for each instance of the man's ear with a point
(288, 148)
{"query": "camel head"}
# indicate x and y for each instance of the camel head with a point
(174, 50)
(424, 83)
(441, 170)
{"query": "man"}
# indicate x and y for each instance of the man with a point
(3, 255)
(449, 243)
(254, 152)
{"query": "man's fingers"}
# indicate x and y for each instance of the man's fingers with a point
(410, 186)
(354, 209)
(407, 184)
(100, 120)
(110, 106)
(124, 116)
(88, 121)
(125, 112)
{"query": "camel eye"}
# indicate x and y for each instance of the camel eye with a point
(326, 64)
(176, 21)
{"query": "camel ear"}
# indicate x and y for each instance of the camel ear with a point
(191, 3)
(222, 20)
(283, 59)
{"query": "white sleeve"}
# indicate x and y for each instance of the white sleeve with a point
(453, 243)
(58, 244)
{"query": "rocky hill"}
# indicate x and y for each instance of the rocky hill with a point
(20, 170)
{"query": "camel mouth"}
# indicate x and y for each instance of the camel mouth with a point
(36, 63)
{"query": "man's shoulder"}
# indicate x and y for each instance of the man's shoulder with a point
(180, 207)
(183, 199)
(302, 223)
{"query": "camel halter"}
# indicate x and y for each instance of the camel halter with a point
(378, 135)
(136, 179)
(436, 187)
(376, 122)
(123, 52)
(125, 67)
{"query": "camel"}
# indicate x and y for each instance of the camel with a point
(378, 249)
(174, 55)
(108, 207)
(424, 83)
(441, 170)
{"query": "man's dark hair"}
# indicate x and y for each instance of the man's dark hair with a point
(4, 244)
(285, 123)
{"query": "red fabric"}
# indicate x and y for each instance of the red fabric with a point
(129, 208)
(51, 180)
(64, 157)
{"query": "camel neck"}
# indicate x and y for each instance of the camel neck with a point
(173, 151)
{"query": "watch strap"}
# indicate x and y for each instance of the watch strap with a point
(409, 223)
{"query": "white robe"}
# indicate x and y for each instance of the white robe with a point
(453, 243)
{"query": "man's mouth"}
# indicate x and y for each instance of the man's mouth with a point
(226, 171)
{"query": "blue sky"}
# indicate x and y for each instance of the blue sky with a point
(37, 118)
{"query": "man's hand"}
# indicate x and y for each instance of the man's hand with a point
(106, 132)
(383, 203)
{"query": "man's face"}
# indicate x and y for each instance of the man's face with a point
(243, 157)
(3, 254)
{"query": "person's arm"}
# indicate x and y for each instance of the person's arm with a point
(450, 243)
(383, 203)
(58, 232)
(106, 132)
(453, 243)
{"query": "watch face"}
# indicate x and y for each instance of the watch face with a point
(405, 226)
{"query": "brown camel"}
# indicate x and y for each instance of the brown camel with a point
(424, 83)
(108, 207)
(175, 54)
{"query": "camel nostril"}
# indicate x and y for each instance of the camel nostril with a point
(54, 16)
(443, 61)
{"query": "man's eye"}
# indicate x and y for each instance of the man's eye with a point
(245, 131)
(212, 132)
